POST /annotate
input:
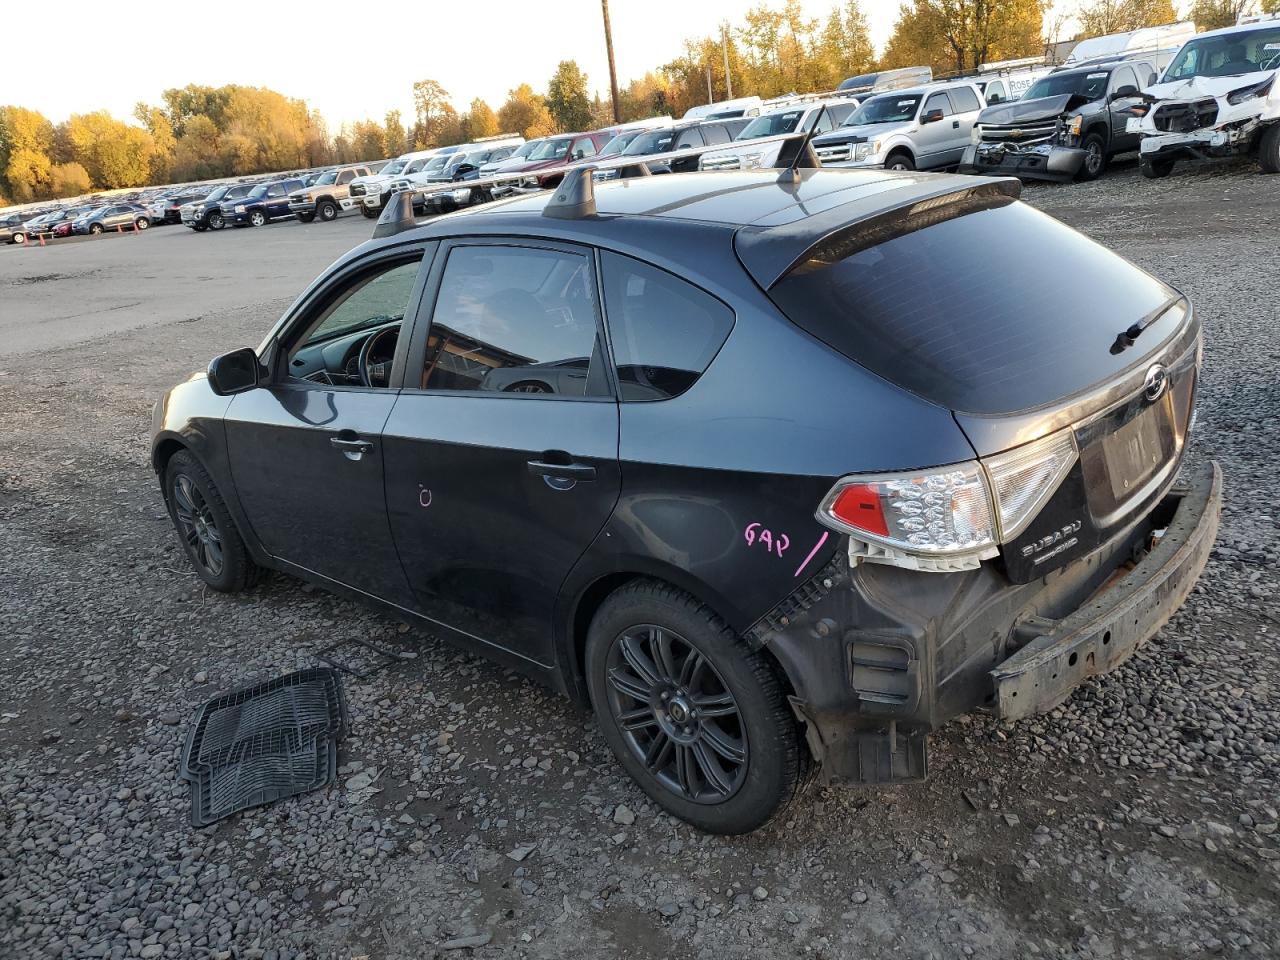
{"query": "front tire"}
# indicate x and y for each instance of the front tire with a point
(700, 722)
(327, 210)
(96, 228)
(1095, 158)
(199, 228)
(370, 213)
(1269, 149)
(142, 223)
(306, 217)
(257, 218)
(19, 239)
(1155, 169)
(205, 528)
(902, 162)
(216, 221)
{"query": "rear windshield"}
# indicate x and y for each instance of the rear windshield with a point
(995, 311)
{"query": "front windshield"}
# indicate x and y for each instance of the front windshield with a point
(327, 177)
(259, 191)
(1229, 55)
(771, 125)
(551, 150)
(436, 164)
(395, 166)
(618, 143)
(524, 150)
(217, 194)
(658, 141)
(1090, 85)
(890, 108)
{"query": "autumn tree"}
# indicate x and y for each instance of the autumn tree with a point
(26, 139)
(1213, 14)
(1100, 17)
(429, 101)
(161, 129)
(479, 121)
(393, 135)
(844, 47)
(960, 35)
(115, 153)
(197, 155)
(69, 180)
(567, 98)
(525, 113)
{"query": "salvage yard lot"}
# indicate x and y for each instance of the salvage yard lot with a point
(476, 810)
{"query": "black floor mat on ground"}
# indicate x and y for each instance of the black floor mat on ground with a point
(263, 743)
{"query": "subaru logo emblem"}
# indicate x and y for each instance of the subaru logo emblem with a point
(1156, 383)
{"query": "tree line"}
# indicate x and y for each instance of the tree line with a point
(202, 132)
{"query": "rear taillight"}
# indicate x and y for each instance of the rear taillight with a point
(948, 518)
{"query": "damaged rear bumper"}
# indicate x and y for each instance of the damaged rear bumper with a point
(1044, 161)
(878, 656)
(1103, 634)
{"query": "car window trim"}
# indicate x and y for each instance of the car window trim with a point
(288, 331)
(416, 356)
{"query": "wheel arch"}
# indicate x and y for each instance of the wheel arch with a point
(899, 148)
(587, 599)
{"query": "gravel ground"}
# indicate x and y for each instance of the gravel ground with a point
(475, 812)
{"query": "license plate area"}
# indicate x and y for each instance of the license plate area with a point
(1132, 448)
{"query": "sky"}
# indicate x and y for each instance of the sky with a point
(362, 58)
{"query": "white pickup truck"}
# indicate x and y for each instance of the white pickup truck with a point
(1218, 97)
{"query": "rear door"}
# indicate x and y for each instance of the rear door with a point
(965, 103)
(502, 450)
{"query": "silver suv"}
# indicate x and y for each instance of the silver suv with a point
(920, 128)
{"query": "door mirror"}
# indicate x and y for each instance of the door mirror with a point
(235, 372)
(462, 169)
(1128, 90)
(933, 116)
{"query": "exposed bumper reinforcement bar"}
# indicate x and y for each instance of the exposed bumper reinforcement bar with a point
(1104, 633)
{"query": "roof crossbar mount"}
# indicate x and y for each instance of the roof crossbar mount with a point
(575, 198)
(397, 216)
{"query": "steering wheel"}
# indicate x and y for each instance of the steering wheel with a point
(370, 372)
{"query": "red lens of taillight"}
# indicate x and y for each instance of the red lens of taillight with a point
(859, 506)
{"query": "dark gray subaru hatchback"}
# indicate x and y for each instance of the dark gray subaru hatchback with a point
(771, 472)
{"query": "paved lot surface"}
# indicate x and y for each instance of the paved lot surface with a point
(476, 812)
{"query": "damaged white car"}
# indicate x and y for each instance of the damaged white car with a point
(1219, 97)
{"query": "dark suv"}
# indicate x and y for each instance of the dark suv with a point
(262, 204)
(680, 136)
(206, 212)
(638, 444)
(1067, 126)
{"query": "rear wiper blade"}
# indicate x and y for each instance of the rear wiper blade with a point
(1129, 336)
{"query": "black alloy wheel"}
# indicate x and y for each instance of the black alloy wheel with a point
(677, 715)
(216, 221)
(197, 526)
(1095, 158)
(204, 525)
(699, 720)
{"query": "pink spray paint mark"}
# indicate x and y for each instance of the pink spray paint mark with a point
(816, 547)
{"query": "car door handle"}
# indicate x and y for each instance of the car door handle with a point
(562, 471)
(352, 449)
(955, 124)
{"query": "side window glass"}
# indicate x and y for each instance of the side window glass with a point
(665, 331)
(965, 99)
(275, 190)
(516, 320)
(346, 176)
(938, 101)
(689, 138)
(586, 147)
(374, 302)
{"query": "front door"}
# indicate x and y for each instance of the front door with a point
(502, 459)
(306, 450)
(934, 139)
(1118, 109)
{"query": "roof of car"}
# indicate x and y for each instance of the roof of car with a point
(777, 219)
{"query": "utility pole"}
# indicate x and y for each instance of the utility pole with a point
(613, 73)
(728, 79)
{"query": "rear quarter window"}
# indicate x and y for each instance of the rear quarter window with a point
(665, 331)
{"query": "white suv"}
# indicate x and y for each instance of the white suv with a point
(794, 118)
(1218, 97)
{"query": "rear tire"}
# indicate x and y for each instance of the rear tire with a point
(199, 228)
(700, 722)
(1155, 169)
(205, 528)
(327, 210)
(901, 162)
(1269, 149)
(19, 238)
(368, 212)
(142, 223)
(1095, 158)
